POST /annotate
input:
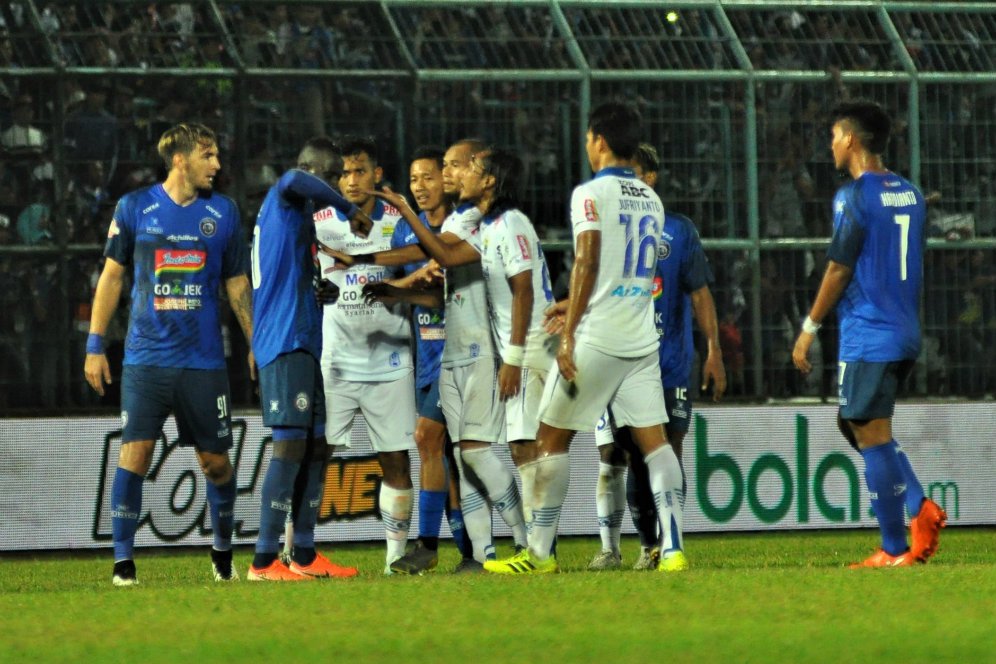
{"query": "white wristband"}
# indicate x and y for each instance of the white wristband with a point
(809, 326)
(514, 355)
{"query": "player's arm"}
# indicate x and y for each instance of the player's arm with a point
(297, 185)
(390, 294)
(510, 373)
(704, 308)
(105, 302)
(583, 276)
(835, 281)
(240, 298)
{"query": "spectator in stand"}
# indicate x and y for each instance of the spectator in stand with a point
(92, 131)
(22, 138)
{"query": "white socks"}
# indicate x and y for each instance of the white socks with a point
(476, 513)
(666, 484)
(610, 504)
(549, 479)
(503, 493)
(396, 513)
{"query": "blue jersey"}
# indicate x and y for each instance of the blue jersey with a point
(879, 222)
(682, 269)
(286, 316)
(430, 332)
(181, 254)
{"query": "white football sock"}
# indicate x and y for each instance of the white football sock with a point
(551, 476)
(502, 490)
(476, 513)
(665, 482)
(610, 504)
(396, 512)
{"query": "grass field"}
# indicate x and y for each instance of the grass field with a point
(749, 598)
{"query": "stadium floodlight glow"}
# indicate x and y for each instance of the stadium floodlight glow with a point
(672, 17)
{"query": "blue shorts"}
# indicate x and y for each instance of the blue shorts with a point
(679, 409)
(198, 398)
(429, 405)
(291, 392)
(867, 390)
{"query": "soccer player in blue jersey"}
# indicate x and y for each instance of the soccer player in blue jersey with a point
(681, 289)
(185, 243)
(874, 278)
(288, 348)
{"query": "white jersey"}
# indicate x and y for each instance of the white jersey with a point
(510, 246)
(619, 320)
(468, 327)
(362, 342)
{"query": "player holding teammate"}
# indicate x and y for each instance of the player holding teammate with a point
(617, 221)
(367, 358)
(874, 277)
(288, 347)
(681, 288)
(185, 242)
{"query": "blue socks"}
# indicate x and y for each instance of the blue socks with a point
(431, 505)
(278, 494)
(914, 490)
(460, 537)
(126, 510)
(221, 503)
(307, 515)
(886, 482)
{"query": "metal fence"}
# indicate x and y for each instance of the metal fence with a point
(734, 93)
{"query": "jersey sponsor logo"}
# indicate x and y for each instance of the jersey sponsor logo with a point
(663, 250)
(590, 211)
(153, 230)
(178, 288)
(208, 227)
(361, 279)
(387, 230)
(301, 402)
(182, 238)
(632, 291)
(523, 246)
(629, 188)
(179, 260)
(212, 211)
(658, 288)
(432, 333)
(324, 214)
(176, 303)
(154, 206)
(114, 229)
(390, 209)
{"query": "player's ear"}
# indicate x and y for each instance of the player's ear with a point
(378, 175)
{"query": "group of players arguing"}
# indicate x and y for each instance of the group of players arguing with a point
(498, 360)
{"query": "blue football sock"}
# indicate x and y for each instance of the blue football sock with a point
(431, 505)
(126, 510)
(275, 505)
(307, 512)
(884, 475)
(914, 490)
(460, 533)
(221, 503)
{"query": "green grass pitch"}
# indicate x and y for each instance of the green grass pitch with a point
(780, 597)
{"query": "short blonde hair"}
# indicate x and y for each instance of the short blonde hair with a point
(183, 139)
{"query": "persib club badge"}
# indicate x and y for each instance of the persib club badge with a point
(208, 227)
(301, 402)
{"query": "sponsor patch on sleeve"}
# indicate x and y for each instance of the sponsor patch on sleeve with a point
(590, 212)
(114, 229)
(523, 246)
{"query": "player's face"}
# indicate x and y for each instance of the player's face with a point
(321, 163)
(474, 182)
(455, 161)
(591, 150)
(359, 175)
(839, 143)
(426, 182)
(648, 178)
(201, 165)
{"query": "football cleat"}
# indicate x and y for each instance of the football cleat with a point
(673, 561)
(468, 566)
(275, 571)
(882, 559)
(605, 560)
(649, 558)
(418, 560)
(522, 563)
(124, 574)
(925, 530)
(221, 566)
(322, 568)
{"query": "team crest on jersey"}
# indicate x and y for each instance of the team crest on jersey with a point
(387, 230)
(208, 227)
(114, 229)
(590, 212)
(179, 260)
(475, 350)
(395, 360)
(663, 250)
(658, 289)
(301, 402)
(523, 246)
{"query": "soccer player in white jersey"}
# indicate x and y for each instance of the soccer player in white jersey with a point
(366, 351)
(608, 348)
(468, 377)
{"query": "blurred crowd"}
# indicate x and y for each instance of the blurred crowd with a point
(103, 128)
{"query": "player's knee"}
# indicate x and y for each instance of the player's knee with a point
(320, 450)
(289, 450)
(217, 468)
(137, 456)
(848, 432)
(396, 468)
(522, 452)
(612, 455)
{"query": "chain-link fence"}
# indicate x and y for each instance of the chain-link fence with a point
(734, 95)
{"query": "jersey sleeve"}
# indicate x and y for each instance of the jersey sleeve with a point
(121, 234)
(695, 270)
(299, 184)
(398, 236)
(236, 257)
(848, 234)
(463, 223)
(584, 211)
(518, 249)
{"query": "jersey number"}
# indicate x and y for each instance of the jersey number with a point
(642, 251)
(903, 220)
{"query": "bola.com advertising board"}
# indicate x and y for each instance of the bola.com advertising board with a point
(748, 468)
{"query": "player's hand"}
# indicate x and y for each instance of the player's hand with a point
(801, 350)
(714, 370)
(509, 381)
(326, 292)
(97, 372)
(252, 366)
(360, 224)
(554, 317)
(565, 358)
(392, 197)
(342, 261)
(382, 292)
(430, 274)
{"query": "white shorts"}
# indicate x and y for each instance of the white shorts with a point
(388, 408)
(469, 397)
(630, 386)
(522, 411)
